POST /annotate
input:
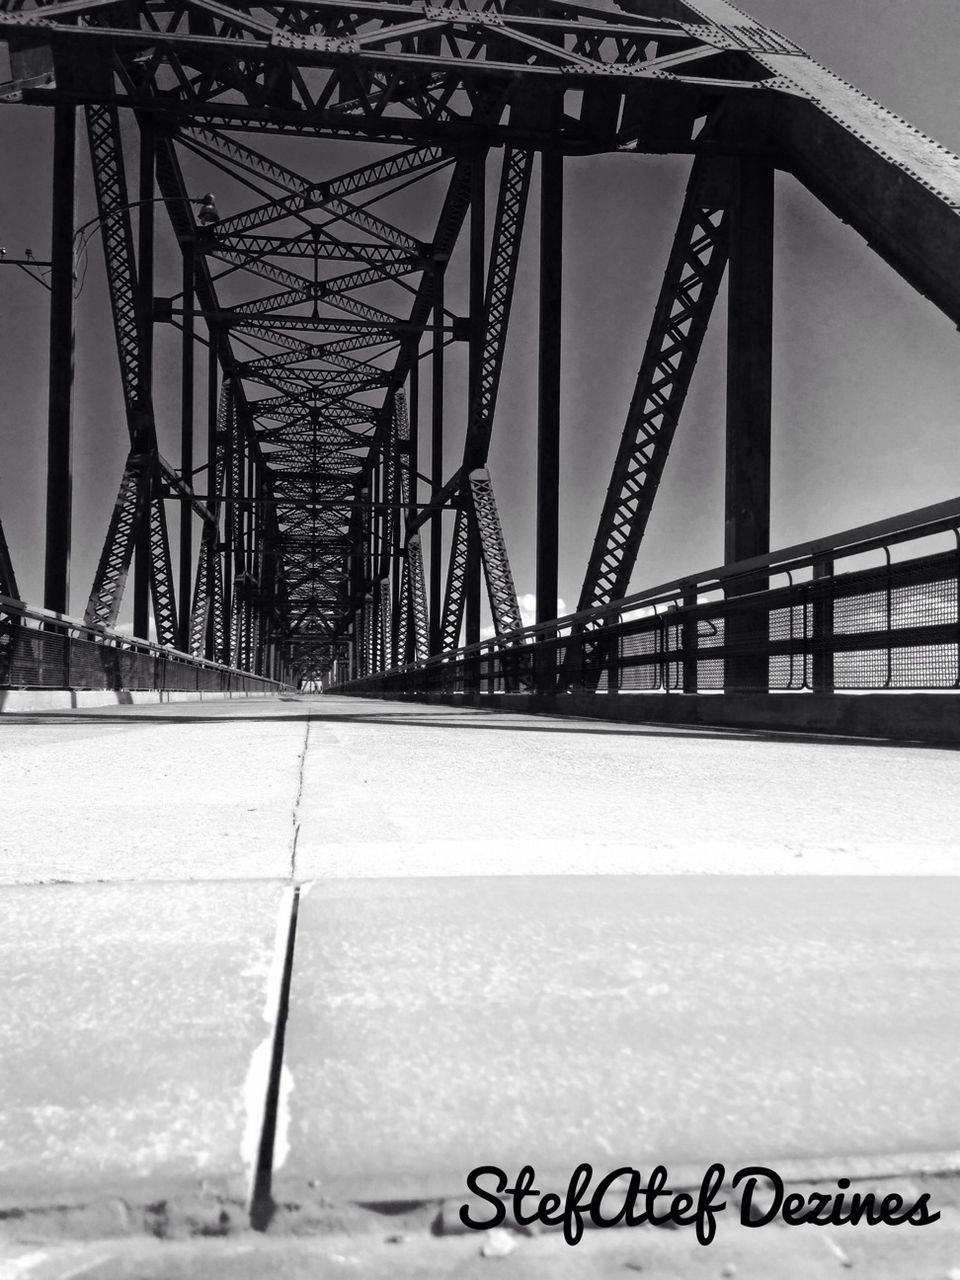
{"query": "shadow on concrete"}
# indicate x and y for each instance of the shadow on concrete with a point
(477, 718)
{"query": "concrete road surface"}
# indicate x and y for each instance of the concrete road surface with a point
(198, 791)
(490, 954)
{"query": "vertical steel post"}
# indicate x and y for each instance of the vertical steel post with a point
(548, 404)
(436, 466)
(248, 558)
(749, 362)
(56, 580)
(229, 516)
(211, 541)
(749, 386)
(186, 445)
(478, 200)
(688, 643)
(411, 462)
(145, 223)
(821, 675)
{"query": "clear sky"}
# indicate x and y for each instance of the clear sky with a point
(866, 375)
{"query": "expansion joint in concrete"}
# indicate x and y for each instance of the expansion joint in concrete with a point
(261, 1206)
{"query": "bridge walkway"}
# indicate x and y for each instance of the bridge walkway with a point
(324, 952)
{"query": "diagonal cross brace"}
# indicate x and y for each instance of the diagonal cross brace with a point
(417, 592)
(453, 601)
(413, 592)
(689, 290)
(208, 588)
(129, 511)
(501, 278)
(493, 549)
(139, 496)
(8, 579)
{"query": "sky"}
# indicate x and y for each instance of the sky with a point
(866, 375)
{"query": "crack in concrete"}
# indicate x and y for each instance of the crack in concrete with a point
(297, 799)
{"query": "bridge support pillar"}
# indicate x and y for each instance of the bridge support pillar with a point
(478, 198)
(436, 466)
(186, 444)
(749, 384)
(56, 581)
(548, 412)
(145, 214)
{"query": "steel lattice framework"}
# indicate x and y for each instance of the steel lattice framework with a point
(312, 531)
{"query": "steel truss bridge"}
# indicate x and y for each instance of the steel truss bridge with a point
(310, 495)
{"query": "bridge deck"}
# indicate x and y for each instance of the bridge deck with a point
(506, 949)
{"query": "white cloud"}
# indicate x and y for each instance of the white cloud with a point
(528, 612)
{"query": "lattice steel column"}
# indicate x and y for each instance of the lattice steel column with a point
(138, 514)
(456, 573)
(417, 591)
(500, 588)
(413, 593)
(161, 575)
(207, 594)
(369, 636)
(386, 657)
(8, 579)
(142, 557)
(403, 612)
(487, 365)
(129, 512)
(689, 290)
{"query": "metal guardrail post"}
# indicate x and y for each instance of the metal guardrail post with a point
(612, 663)
(746, 638)
(688, 640)
(822, 626)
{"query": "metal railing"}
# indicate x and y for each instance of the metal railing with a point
(874, 608)
(44, 650)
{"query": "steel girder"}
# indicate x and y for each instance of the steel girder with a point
(415, 598)
(454, 599)
(335, 343)
(387, 71)
(476, 490)
(413, 592)
(693, 275)
(501, 280)
(139, 500)
(324, 430)
(502, 594)
(130, 510)
(8, 579)
(208, 581)
(643, 80)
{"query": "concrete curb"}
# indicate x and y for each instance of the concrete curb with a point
(21, 700)
(932, 718)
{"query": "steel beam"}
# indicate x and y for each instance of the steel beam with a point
(129, 515)
(692, 279)
(187, 359)
(749, 394)
(56, 579)
(477, 261)
(142, 565)
(548, 384)
(749, 362)
(8, 579)
(436, 466)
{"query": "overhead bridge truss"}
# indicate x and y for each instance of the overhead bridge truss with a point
(335, 508)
